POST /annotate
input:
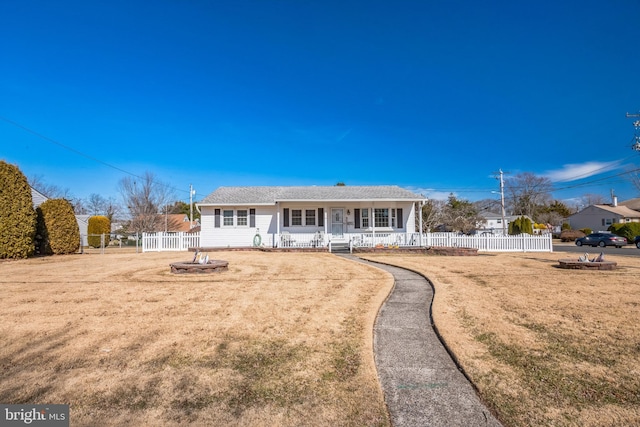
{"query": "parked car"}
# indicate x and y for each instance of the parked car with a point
(637, 242)
(602, 240)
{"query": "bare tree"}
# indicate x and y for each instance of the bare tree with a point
(98, 205)
(112, 209)
(431, 214)
(145, 198)
(461, 215)
(95, 204)
(527, 193)
(51, 191)
(592, 199)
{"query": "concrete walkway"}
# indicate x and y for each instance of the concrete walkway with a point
(422, 385)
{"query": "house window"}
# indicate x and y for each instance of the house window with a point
(608, 221)
(242, 217)
(393, 218)
(296, 216)
(227, 218)
(381, 217)
(365, 218)
(310, 217)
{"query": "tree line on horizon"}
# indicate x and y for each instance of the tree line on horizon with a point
(146, 201)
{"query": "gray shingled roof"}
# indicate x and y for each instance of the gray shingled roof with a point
(271, 195)
(623, 211)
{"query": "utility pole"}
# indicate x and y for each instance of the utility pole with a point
(191, 193)
(504, 233)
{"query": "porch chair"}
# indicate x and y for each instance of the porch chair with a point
(318, 238)
(285, 239)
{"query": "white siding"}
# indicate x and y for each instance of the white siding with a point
(266, 222)
(235, 236)
(594, 218)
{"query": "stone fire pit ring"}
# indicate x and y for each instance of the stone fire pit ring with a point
(574, 264)
(212, 266)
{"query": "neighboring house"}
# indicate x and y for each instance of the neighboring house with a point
(83, 225)
(82, 220)
(494, 224)
(37, 197)
(631, 204)
(175, 223)
(600, 217)
(305, 216)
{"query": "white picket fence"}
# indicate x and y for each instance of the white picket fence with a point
(158, 242)
(155, 242)
(492, 243)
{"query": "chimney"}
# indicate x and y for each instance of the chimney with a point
(615, 201)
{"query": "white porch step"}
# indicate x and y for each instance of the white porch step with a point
(339, 247)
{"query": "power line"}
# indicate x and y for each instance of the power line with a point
(80, 153)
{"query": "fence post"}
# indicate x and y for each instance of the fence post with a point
(102, 243)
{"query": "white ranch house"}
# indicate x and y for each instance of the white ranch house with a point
(316, 216)
(336, 218)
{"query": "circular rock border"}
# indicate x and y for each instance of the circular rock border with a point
(574, 264)
(213, 266)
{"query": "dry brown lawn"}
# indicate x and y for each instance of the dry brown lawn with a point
(285, 339)
(545, 346)
(279, 339)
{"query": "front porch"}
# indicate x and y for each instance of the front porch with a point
(352, 240)
(319, 241)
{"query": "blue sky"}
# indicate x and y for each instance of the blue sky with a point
(432, 96)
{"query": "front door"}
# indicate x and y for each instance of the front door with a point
(337, 222)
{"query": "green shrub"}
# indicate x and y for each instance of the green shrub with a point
(586, 230)
(17, 216)
(629, 230)
(570, 235)
(521, 225)
(615, 228)
(566, 226)
(97, 226)
(57, 231)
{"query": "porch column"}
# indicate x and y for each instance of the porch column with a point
(420, 222)
(373, 226)
(326, 221)
(276, 239)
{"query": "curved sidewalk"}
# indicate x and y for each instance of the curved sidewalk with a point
(421, 383)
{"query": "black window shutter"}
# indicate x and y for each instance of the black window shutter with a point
(400, 223)
(217, 219)
(252, 217)
(286, 217)
(356, 218)
(320, 217)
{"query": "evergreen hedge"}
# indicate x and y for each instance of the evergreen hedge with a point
(98, 224)
(58, 231)
(521, 225)
(629, 230)
(17, 216)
